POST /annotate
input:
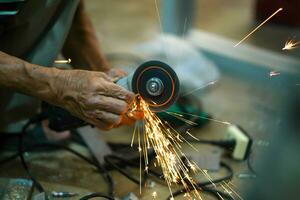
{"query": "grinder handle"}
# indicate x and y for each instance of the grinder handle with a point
(61, 120)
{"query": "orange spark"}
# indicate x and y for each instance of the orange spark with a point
(63, 61)
(199, 88)
(166, 142)
(290, 44)
(154, 195)
(201, 117)
(274, 73)
(275, 13)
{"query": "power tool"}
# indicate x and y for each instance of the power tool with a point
(155, 81)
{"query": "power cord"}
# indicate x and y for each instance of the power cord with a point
(21, 155)
(250, 166)
(119, 169)
(9, 158)
(37, 184)
(110, 161)
(203, 185)
(94, 195)
(57, 146)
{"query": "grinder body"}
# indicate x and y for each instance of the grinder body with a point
(154, 81)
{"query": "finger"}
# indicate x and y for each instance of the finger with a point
(108, 118)
(100, 124)
(104, 120)
(116, 73)
(103, 75)
(126, 120)
(115, 79)
(108, 104)
(136, 115)
(116, 91)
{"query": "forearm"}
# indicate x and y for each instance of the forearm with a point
(91, 96)
(27, 78)
(82, 45)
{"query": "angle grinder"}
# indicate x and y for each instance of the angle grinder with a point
(155, 81)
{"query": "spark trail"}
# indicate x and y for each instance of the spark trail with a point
(181, 114)
(274, 73)
(260, 25)
(63, 61)
(199, 88)
(290, 44)
(166, 143)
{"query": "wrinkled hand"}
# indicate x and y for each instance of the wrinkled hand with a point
(116, 73)
(92, 96)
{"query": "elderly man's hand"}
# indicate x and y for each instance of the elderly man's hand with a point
(116, 73)
(91, 96)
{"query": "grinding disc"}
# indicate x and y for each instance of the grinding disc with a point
(166, 78)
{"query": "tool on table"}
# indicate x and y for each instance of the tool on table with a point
(155, 81)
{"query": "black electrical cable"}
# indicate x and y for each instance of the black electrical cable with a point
(43, 145)
(94, 195)
(57, 146)
(128, 163)
(200, 185)
(227, 177)
(24, 163)
(203, 185)
(218, 194)
(249, 164)
(103, 171)
(9, 158)
(119, 169)
(107, 177)
(100, 168)
(123, 162)
(92, 162)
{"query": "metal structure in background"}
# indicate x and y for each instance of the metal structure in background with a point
(177, 16)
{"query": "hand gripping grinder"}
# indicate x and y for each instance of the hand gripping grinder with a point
(155, 81)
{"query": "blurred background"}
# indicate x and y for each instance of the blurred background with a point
(122, 24)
